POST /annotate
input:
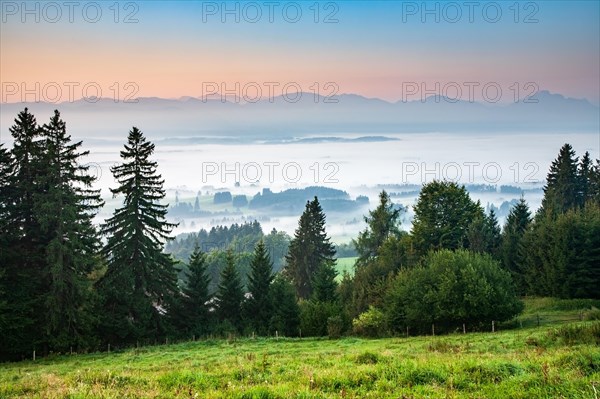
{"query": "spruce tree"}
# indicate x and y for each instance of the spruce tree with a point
(309, 249)
(22, 241)
(196, 295)
(6, 234)
(140, 279)
(585, 175)
(230, 294)
(595, 183)
(285, 318)
(495, 234)
(562, 190)
(258, 307)
(517, 224)
(484, 234)
(382, 223)
(65, 208)
(324, 284)
(7, 167)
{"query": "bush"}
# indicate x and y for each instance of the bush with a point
(367, 358)
(593, 314)
(588, 334)
(335, 327)
(453, 288)
(371, 323)
(314, 316)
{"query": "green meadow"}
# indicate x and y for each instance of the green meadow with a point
(558, 359)
(345, 265)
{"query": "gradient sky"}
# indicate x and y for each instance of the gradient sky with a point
(372, 50)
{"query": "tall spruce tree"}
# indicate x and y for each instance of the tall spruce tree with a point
(382, 223)
(309, 249)
(517, 224)
(6, 234)
(23, 243)
(258, 307)
(64, 209)
(140, 279)
(230, 294)
(562, 190)
(585, 175)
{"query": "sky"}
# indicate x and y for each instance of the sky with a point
(61, 51)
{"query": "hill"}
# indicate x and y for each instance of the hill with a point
(555, 360)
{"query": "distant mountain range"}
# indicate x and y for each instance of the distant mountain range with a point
(281, 120)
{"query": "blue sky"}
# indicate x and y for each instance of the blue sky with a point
(372, 49)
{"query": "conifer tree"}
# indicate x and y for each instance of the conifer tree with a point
(309, 249)
(382, 223)
(285, 318)
(495, 234)
(258, 307)
(484, 234)
(140, 279)
(22, 241)
(562, 190)
(585, 176)
(324, 284)
(6, 234)
(595, 183)
(64, 209)
(517, 224)
(196, 295)
(230, 294)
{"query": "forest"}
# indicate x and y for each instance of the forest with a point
(67, 284)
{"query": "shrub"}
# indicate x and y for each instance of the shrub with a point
(335, 327)
(367, 358)
(453, 288)
(314, 316)
(371, 323)
(588, 333)
(593, 314)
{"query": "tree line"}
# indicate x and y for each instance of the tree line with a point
(67, 284)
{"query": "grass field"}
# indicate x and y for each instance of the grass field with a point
(561, 360)
(345, 264)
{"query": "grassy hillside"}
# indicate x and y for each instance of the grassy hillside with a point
(553, 361)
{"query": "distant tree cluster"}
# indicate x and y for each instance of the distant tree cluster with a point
(223, 197)
(63, 288)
